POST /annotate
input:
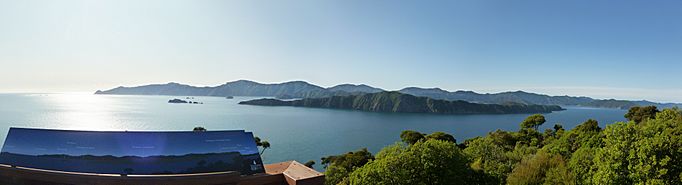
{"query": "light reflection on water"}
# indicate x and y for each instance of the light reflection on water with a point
(84, 111)
(295, 133)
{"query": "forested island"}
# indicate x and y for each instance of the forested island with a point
(392, 101)
(645, 150)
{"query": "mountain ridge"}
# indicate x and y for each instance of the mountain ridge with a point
(302, 89)
(397, 102)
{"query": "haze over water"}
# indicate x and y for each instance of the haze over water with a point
(295, 133)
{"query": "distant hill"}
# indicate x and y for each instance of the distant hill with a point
(287, 90)
(625, 104)
(517, 96)
(620, 104)
(301, 89)
(355, 88)
(529, 98)
(296, 89)
(404, 103)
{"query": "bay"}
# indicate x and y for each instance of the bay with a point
(295, 133)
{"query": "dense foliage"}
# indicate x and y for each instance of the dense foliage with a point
(645, 150)
(340, 166)
(430, 162)
(412, 137)
(639, 114)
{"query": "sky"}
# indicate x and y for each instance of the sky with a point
(604, 49)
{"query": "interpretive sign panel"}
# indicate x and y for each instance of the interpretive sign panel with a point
(123, 152)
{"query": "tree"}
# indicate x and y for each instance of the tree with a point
(199, 129)
(581, 165)
(588, 126)
(336, 175)
(423, 163)
(263, 144)
(558, 127)
(587, 134)
(442, 136)
(504, 139)
(646, 150)
(411, 137)
(530, 137)
(541, 168)
(612, 161)
(350, 159)
(673, 114)
(533, 121)
(487, 156)
(649, 152)
(309, 164)
(339, 166)
(639, 114)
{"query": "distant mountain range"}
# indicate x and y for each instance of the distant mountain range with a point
(392, 101)
(355, 88)
(301, 89)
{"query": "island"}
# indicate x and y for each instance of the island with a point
(183, 101)
(392, 101)
(177, 101)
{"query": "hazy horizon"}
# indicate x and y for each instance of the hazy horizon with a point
(627, 50)
(565, 90)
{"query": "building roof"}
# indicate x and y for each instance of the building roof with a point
(293, 170)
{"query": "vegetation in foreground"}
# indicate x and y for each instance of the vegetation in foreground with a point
(645, 150)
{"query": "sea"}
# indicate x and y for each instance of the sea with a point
(295, 133)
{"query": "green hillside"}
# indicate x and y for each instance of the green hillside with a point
(404, 103)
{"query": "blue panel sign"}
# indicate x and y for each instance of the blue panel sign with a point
(144, 153)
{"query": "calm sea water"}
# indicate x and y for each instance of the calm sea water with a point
(295, 133)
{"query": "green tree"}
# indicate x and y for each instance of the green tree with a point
(533, 121)
(647, 150)
(612, 161)
(309, 164)
(431, 162)
(411, 136)
(541, 168)
(558, 127)
(265, 145)
(639, 114)
(336, 175)
(504, 139)
(262, 143)
(586, 134)
(581, 164)
(350, 159)
(657, 151)
(442, 136)
(338, 167)
(646, 153)
(530, 137)
(488, 157)
(588, 126)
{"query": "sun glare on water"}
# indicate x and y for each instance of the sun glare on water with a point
(83, 111)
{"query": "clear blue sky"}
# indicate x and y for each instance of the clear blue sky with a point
(619, 48)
